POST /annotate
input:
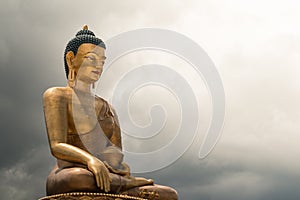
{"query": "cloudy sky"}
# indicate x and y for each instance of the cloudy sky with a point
(255, 46)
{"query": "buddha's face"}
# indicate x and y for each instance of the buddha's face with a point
(88, 62)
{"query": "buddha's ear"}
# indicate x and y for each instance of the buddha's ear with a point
(69, 58)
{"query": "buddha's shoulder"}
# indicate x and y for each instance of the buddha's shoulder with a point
(105, 104)
(58, 92)
(99, 99)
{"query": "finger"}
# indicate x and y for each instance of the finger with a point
(104, 181)
(110, 179)
(100, 181)
(108, 182)
(98, 178)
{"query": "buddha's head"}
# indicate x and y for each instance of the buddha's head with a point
(84, 57)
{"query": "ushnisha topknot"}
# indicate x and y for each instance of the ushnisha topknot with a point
(83, 36)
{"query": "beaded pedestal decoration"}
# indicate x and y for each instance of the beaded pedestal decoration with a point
(90, 196)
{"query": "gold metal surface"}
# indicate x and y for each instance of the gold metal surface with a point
(90, 196)
(78, 168)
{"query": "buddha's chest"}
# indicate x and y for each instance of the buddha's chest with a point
(86, 115)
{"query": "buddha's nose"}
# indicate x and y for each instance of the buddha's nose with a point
(99, 66)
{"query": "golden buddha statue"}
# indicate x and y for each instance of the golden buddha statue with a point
(84, 133)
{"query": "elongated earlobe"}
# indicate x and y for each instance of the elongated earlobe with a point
(72, 78)
(72, 73)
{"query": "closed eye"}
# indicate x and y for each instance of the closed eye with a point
(91, 58)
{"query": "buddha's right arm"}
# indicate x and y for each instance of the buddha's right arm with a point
(56, 116)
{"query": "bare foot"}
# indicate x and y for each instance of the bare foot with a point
(138, 181)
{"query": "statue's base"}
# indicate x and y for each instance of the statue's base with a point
(147, 192)
(90, 196)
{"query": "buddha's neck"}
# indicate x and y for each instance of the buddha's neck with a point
(83, 86)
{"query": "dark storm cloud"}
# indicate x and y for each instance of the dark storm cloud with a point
(29, 64)
(33, 37)
(23, 72)
(256, 157)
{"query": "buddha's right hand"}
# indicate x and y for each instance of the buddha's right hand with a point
(101, 174)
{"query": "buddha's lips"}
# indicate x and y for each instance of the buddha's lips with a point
(96, 72)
